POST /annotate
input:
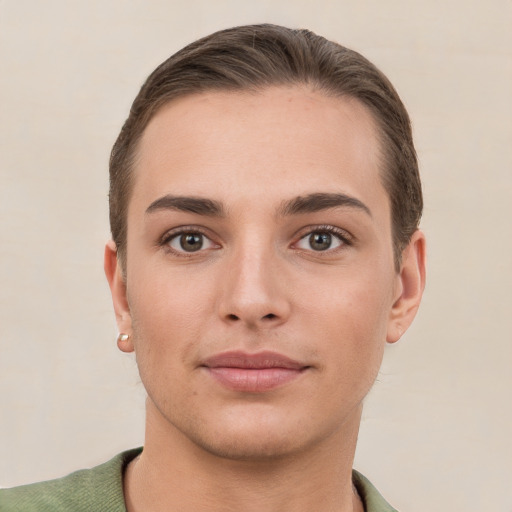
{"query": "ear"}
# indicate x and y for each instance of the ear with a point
(117, 284)
(410, 283)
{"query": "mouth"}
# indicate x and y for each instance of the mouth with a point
(253, 373)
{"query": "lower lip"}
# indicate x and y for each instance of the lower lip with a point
(254, 380)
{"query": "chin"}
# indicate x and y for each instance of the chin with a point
(262, 447)
(257, 438)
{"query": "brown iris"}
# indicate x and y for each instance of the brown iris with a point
(320, 241)
(191, 242)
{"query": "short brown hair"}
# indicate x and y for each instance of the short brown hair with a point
(257, 56)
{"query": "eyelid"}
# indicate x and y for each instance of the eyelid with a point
(182, 230)
(346, 238)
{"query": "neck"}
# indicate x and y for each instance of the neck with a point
(173, 470)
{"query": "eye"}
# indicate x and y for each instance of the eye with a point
(189, 242)
(321, 240)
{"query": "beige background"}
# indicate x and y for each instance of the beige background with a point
(436, 433)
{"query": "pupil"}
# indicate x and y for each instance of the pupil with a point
(191, 242)
(320, 241)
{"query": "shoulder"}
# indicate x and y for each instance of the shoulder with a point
(372, 499)
(96, 489)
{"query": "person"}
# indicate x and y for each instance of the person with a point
(264, 206)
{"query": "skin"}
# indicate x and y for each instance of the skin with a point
(258, 284)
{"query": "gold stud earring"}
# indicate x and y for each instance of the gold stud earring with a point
(123, 337)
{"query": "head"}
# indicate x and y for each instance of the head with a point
(252, 58)
(264, 205)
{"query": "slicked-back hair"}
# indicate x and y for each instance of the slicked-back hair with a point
(254, 57)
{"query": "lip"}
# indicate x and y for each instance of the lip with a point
(253, 373)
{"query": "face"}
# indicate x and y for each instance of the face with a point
(260, 282)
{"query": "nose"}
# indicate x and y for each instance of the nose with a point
(254, 291)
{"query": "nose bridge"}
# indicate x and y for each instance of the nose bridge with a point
(252, 289)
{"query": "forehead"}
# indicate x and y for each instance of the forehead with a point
(278, 140)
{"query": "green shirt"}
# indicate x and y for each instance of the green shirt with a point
(100, 489)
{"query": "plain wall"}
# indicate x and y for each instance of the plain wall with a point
(436, 432)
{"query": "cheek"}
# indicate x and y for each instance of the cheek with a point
(355, 304)
(169, 298)
(349, 320)
(168, 314)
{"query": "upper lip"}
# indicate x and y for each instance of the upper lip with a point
(258, 361)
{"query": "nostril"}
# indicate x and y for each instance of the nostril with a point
(270, 316)
(233, 317)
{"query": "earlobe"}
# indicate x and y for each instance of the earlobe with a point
(114, 274)
(409, 289)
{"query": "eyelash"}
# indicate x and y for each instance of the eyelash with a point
(343, 236)
(183, 230)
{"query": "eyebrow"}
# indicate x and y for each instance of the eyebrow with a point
(321, 201)
(310, 203)
(197, 205)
